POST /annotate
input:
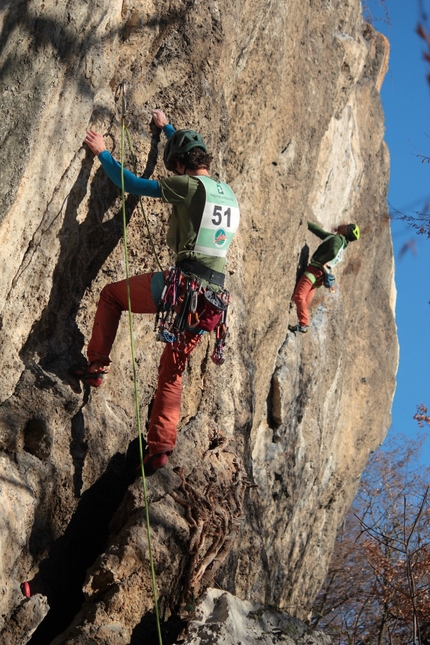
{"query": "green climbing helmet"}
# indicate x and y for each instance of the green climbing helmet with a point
(353, 232)
(182, 141)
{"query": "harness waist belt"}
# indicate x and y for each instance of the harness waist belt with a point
(202, 271)
(310, 276)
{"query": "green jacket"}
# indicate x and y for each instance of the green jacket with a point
(331, 248)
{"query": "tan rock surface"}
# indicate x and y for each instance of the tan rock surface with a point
(272, 443)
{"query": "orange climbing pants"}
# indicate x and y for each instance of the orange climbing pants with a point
(166, 410)
(304, 292)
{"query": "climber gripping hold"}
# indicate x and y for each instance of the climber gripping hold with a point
(318, 272)
(205, 217)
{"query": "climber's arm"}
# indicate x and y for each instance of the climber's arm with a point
(132, 184)
(318, 231)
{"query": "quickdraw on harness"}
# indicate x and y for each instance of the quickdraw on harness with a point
(185, 305)
(221, 331)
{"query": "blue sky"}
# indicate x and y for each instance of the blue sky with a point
(406, 101)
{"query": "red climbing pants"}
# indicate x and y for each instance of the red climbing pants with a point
(167, 405)
(304, 292)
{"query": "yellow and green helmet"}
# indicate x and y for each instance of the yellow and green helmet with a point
(353, 233)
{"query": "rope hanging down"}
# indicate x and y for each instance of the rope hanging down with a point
(136, 395)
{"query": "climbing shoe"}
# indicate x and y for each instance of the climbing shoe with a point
(302, 328)
(152, 463)
(95, 379)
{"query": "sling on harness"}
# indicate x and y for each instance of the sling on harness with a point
(186, 305)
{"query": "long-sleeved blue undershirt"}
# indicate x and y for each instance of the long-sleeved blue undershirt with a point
(132, 184)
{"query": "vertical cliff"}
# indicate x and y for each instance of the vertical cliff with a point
(271, 444)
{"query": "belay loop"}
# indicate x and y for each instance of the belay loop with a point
(185, 305)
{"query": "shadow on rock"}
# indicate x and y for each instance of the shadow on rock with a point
(62, 574)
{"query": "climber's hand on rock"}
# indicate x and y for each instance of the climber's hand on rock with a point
(159, 118)
(95, 142)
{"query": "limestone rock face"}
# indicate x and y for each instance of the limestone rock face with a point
(271, 444)
(224, 619)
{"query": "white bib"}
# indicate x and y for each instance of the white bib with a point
(220, 219)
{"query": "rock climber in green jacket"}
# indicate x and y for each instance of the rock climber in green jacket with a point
(318, 272)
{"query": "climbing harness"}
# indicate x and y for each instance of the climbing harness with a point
(133, 360)
(185, 305)
(310, 276)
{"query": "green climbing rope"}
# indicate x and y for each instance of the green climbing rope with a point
(136, 394)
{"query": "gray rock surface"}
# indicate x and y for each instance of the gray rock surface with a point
(224, 619)
(271, 444)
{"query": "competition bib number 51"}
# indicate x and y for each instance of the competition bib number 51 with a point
(220, 219)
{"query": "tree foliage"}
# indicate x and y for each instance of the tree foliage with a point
(422, 416)
(377, 590)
